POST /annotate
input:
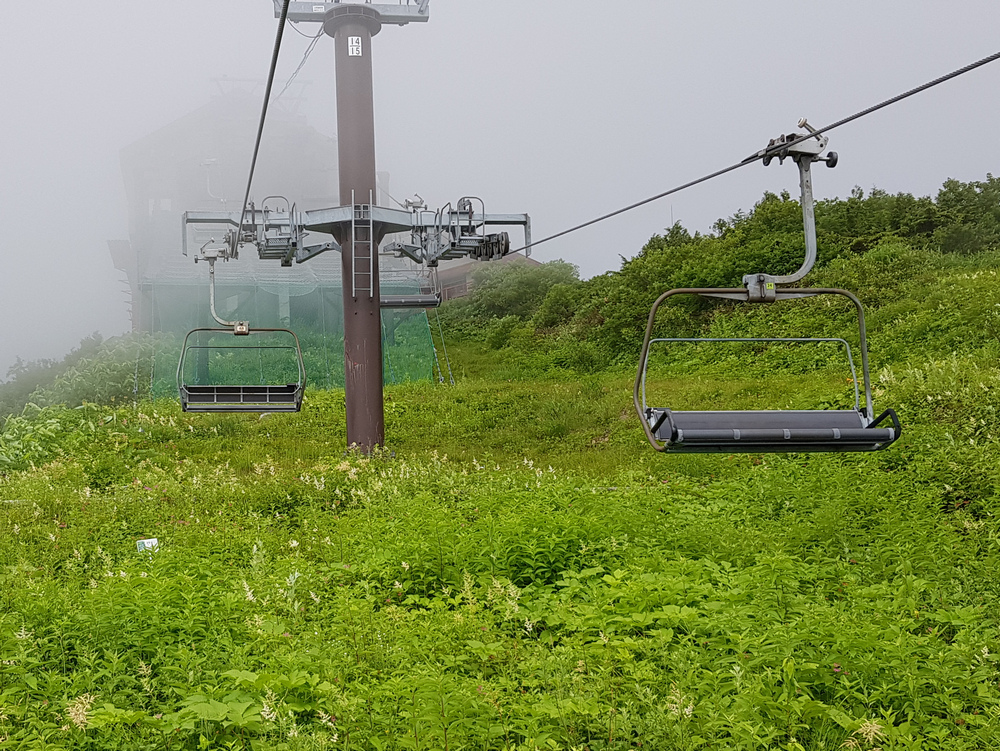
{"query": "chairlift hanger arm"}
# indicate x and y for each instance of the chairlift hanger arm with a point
(803, 153)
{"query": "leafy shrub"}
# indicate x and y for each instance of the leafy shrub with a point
(499, 330)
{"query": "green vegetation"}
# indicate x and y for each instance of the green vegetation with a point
(518, 570)
(888, 249)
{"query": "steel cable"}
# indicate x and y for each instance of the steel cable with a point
(263, 117)
(770, 152)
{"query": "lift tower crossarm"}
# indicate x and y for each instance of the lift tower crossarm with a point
(389, 13)
(331, 221)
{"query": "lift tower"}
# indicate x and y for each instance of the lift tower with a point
(352, 28)
(357, 226)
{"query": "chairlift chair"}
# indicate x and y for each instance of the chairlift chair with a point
(672, 430)
(260, 397)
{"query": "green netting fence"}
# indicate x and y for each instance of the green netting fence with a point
(314, 312)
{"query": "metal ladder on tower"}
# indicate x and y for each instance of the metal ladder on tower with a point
(363, 249)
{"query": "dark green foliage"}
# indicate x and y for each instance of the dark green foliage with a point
(970, 216)
(24, 378)
(856, 222)
(501, 290)
(881, 246)
(521, 571)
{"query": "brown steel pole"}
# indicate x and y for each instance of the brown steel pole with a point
(352, 27)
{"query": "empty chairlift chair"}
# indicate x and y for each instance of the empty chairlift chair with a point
(198, 396)
(279, 371)
(672, 430)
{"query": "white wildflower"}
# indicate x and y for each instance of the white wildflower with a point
(870, 731)
(78, 709)
(678, 704)
(267, 710)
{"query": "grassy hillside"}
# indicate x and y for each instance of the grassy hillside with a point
(518, 569)
(521, 572)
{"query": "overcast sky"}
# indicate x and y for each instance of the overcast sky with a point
(564, 109)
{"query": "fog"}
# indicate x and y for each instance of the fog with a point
(562, 109)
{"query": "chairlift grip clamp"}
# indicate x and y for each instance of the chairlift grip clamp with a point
(785, 146)
(760, 288)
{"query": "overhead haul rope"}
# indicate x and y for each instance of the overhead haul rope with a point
(770, 152)
(263, 117)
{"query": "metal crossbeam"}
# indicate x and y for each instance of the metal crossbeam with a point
(435, 236)
(392, 14)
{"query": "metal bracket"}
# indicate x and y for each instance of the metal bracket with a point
(240, 328)
(760, 288)
(451, 233)
(763, 287)
(393, 14)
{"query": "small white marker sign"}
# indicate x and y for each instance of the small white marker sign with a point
(354, 46)
(150, 545)
(319, 9)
